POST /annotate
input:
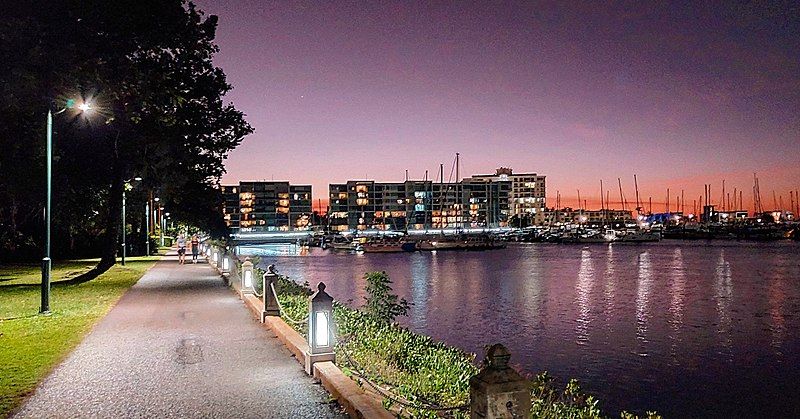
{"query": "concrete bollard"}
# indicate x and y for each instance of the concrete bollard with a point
(498, 391)
(271, 307)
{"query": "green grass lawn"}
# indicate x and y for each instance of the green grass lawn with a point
(31, 273)
(32, 345)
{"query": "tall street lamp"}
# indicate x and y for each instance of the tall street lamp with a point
(46, 261)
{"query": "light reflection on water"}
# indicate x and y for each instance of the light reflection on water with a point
(690, 329)
(644, 284)
(723, 296)
(583, 288)
(677, 291)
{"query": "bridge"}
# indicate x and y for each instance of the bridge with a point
(260, 237)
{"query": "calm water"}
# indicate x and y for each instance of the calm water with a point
(691, 329)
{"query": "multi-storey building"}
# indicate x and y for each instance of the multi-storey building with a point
(588, 217)
(230, 205)
(527, 194)
(366, 204)
(362, 205)
(267, 206)
(486, 202)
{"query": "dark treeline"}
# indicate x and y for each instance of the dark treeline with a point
(158, 113)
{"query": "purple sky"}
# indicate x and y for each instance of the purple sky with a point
(681, 96)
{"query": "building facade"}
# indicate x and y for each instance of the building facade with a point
(526, 195)
(416, 204)
(230, 206)
(587, 217)
(253, 206)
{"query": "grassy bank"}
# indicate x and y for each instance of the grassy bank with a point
(31, 273)
(32, 345)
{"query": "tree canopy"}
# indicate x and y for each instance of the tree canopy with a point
(158, 113)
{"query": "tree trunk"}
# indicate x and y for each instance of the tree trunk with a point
(13, 215)
(113, 219)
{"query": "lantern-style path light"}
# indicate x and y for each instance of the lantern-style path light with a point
(499, 391)
(226, 262)
(321, 339)
(271, 306)
(215, 256)
(247, 277)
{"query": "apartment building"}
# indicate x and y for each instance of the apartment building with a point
(415, 204)
(587, 217)
(267, 206)
(527, 193)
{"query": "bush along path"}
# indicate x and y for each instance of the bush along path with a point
(418, 376)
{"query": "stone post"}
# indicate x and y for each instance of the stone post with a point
(498, 391)
(271, 307)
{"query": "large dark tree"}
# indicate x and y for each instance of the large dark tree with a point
(147, 68)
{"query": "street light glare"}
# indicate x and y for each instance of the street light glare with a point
(85, 107)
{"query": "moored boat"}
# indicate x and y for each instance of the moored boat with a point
(347, 244)
(637, 236)
(386, 245)
(461, 242)
(589, 236)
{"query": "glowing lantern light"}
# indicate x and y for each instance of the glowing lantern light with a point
(247, 276)
(320, 328)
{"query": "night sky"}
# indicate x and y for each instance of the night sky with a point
(679, 94)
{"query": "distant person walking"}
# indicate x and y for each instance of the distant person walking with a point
(195, 248)
(182, 249)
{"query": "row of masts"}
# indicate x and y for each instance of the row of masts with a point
(727, 202)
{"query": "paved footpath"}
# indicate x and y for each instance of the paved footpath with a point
(179, 344)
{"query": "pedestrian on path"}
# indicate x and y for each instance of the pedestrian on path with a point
(182, 249)
(195, 248)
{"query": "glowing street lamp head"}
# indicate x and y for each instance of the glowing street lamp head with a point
(85, 107)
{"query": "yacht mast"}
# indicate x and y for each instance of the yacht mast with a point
(602, 204)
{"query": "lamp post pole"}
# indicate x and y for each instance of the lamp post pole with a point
(163, 226)
(147, 227)
(46, 262)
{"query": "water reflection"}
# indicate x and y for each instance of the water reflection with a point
(723, 293)
(420, 272)
(644, 283)
(532, 293)
(777, 301)
(677, 291)
(610, 287)
(583, 290)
